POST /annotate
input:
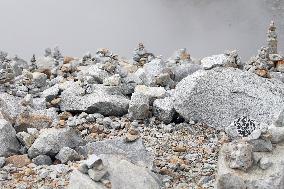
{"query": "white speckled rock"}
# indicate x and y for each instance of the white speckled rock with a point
(213, 61)
(164, 109)
(219, 96)
(139, 106)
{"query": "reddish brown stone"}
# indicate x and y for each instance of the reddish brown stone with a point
(18, 160)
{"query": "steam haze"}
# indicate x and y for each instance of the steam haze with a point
(204, 27)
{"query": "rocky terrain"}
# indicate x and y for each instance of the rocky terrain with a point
(102, 121)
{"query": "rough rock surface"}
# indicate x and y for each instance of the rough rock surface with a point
(137, 177)
(219, 96)
(139, 106)
(97, 102)
(164, 110)
(135, 151)
(9, 144)
(79, 180)
(50, 141)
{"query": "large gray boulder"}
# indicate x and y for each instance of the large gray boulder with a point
(219, 96)
(9, 144)
(104, 102)
(51, 140)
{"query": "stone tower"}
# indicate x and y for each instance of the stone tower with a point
(272, 39)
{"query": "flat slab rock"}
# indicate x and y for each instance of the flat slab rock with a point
(121, 173)
(98, 102)
(135, 152)
(219, 96)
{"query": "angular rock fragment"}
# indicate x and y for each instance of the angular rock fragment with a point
(134, 151)
(164, 109)
(152, 93)
(240, 155)
(42, 160)
(51, 140)
(97, 102)
(9, 144)
(80, 180)
(67, 154)
(139, 106)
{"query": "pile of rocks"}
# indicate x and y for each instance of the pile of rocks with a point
(100, 119)
(253, 159)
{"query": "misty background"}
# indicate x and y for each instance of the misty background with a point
(204, 27)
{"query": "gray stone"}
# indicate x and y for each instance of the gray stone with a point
(217, 97)
(277, 134)
(279, 122)
(215, 61)
(113, 80)
(2, 161)
(67, 154)
(96, 175)
(94, 71)
(107, 121)
(115, 125)
(264, 163)
(39, 79)
(97, 102)
(277, 75)
(9, 107)
(51, 92)
(42, 160)
(4, 175)
(9, 144)
(138, 106)
(79, 180)
(261, 145)
(137, 177)
(26, 139)
(51, 140)
(153, 69)
(275, 57)
(93, 161)
(164, 109)
(229, 181)
(184, 70)
(240, 155)
(270, 178)
(153, 93)
(83, 168)
(38, 119)
(134, 151)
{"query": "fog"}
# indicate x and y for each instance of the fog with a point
(204, 27)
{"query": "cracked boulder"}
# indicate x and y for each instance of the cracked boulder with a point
(219, 96)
